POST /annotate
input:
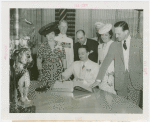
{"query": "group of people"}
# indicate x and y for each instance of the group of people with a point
(115, 66)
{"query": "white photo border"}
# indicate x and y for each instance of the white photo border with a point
(88, 5)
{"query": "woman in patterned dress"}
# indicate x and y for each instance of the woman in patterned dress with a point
(51, 58)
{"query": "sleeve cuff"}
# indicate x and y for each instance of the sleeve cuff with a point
(98, 80)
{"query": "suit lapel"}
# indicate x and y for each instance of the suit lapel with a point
(121, 51)
(87, 43)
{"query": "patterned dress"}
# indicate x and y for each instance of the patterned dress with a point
(52, 62)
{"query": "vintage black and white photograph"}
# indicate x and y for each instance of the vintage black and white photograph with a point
(76, 60)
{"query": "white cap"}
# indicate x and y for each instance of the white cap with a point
(106, 28)
(99, 24)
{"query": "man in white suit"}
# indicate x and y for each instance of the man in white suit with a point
(84, 70)
(67, 42)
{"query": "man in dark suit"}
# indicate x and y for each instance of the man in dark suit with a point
(92, 45)
(128, 57)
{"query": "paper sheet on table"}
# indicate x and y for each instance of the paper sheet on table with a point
(66, 86)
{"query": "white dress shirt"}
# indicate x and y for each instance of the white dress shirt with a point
(85, 42)
(126, 52)
(68, 50)
(88, 73)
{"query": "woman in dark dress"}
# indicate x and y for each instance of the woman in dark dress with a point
(51, 58)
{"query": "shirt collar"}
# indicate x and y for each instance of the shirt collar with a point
(62, 35)
(85, 62)
(127, 39)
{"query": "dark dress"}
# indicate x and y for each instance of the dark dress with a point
(52, 62)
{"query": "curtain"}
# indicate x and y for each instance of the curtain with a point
(104, 16)
(48, 16)
(131, 17)
(84, 21)
(86, 18)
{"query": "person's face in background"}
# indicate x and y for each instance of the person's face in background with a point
(50, 36)
(63, 27)
(83, 54)
(81, 37)
(105, 37)
(120, 34)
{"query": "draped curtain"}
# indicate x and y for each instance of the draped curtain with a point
(85, 19)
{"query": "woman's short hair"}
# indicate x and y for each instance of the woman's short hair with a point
(85, 47)
(111, 33)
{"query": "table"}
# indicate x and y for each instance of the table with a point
(80, 102)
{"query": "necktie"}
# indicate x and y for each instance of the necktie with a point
(124, 45)
(83, 66)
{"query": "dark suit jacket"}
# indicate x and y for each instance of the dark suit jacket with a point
(135, 64)
(92, 45)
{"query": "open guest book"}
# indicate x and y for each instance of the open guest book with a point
(70, 86)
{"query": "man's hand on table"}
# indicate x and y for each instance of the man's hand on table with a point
(96, 83)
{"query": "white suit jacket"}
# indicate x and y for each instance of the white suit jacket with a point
(88, 73)
(68, 49)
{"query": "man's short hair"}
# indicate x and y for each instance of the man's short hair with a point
(122, 24)
(85, 47)
(81, 31)
(63, 21)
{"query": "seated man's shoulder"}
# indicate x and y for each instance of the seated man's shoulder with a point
(93, 64)
(76, 64)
